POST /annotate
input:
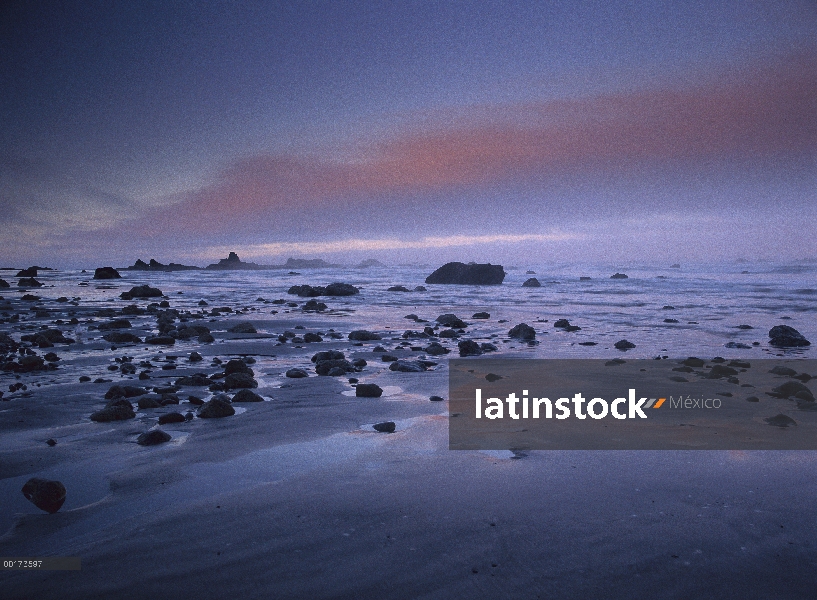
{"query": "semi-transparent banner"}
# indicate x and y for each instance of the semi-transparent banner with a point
(565, 404)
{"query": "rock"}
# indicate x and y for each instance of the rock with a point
(236, 365)
(781, 370)
(239, 380)
(694, 361)
(388, 358)
(185, 332)
(311, 338)
(385, 427)
(216, 409)
(523, 332)
(314, 306)
(436, 349)
(451, 320)
(141, 291)
(115, 324)
(727, 344)
(619, 276)
(296, 373)
(341, 289)
(532, 283)
(405, 366)
(398, 288)
(783, 336)
(172, 417)
(45, 494)
(161, 340)
(247, 396)
(124, 391)
(437, 399)
(106, 273)
(232, 262)
(719, 371)
(486, 347)
(780, 420)
(793, 388)
(368, 390)
(481, 315)
(153, 437)
(624, 345)
(4, 283)
(116, 410)
(244, 327)
(120, 337)
(149, 401)
(334, 368)
(362, 335)
(206, 338)
(467, 274)
(195, 357)
(195, 400)
(420, 288)
(469, 348)
(197, 380)
(29, 272)
(562, 323)
(29, 282)
(51, 442)
(306, 291)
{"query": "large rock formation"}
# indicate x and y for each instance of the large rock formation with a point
(155, 265)
(783, 336)
(233, 263)
(106, 273)
(468, 274)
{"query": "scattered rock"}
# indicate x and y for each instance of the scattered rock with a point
(491, 377)
(385, 427)
(115, 324)
(469, 348)
(195, 357)
(467, 274)
(29, 282)
(451, 320)
(296, 373)
(785, 371)
(154, 437)
(106, 273)
(481, 315)
(368, 390)
(314, 306)
(619, 276)
(141, 291)
(216, 409)
(121, 337)
(235, 381)
(780, 420)
(362, 335)
(51, 442)
(244, 327)
(523, 332)
(719, 371)
(624, 345)
(436, 399)
(45, 494)
(405, 366)
(185, 332)
(398, 288)
(4, 283)
(436, 349)
(247, 396)
(752, 399)
(793, 388)
(736, 345)
(532, 283)
(161, 340)
(29, 272)
(124, 391)
(149, 401)
(116, 410)
(783, 336)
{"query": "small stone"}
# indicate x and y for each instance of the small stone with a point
(436, 399)
(385, 427)
(247, 396)
(153, 437)
(624, 345)
(45, 494)
(296, 373)
(172, 417)
(51, 442)
(368, 390)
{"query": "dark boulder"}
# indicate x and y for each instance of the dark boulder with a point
(368, 390)
(481, 315)
(469, 348)
(783, 336)
(362, 335)
(311, 338)
(780, 420)
(532, 283)
(235, 381)
(405, 366)
(153, 437)
(161, 340)
(398, 288)
(247, 396)
(624, 345)
(451, 320)
(216, 409)
(436, 349)
(523, 332)
(314, 306)
(120, 337)
(334, 367)
(244, 327)
(468, 274)
(4, 283)
(385, 427)
(236, 365)
(619, 276)
(45, 494)
(141, 291)
(115, 324)
(29, 282)
(118, 409)
(171, 417)
(297, 373)
(185, 332)
(29, 272)
(106, 273)
(341, 289)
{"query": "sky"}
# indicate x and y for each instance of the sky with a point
(407, 131)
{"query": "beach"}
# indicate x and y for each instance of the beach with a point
(299, 496)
